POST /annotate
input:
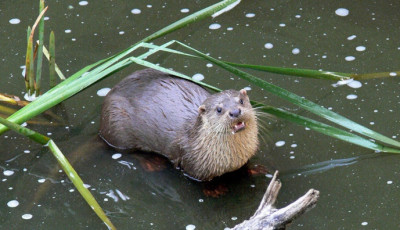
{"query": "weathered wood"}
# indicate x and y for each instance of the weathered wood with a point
(267, 217)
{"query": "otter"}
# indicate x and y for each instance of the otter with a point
(205, 135)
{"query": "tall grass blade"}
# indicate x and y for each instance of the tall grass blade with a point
(28, 59)
(55, 95)
(299, 101)
(309, 73)
(40, 51)
(66, 166)
(52, 60)
(366, 76)
(47, 55)
(30, 68)
(327, 129)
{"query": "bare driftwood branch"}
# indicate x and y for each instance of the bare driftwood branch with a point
(267, 217)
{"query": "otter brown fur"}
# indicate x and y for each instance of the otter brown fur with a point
(205, 135)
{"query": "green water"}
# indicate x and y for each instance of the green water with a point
(359, 189)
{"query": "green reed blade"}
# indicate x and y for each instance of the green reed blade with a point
(299, 101)
(309, 73)
(27, 59)
(30, 68)
(328, 130)
(40, 51)
(70, 87)
(52, 60)
(66, 166)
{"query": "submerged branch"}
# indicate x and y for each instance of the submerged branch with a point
(267, 217)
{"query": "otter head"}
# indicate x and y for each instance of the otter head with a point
(223, 138)
(227, 112)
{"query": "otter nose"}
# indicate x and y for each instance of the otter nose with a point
(235, 113)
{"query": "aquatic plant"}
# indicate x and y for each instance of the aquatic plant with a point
(88, 75)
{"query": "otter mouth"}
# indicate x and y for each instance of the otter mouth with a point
(238, 127)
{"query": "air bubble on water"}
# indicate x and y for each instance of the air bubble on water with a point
(250, 15)
(12, 203)
(351, 37)
(214, 26)
(116, 156)
(14, 21)
(27, 216)
(103, 92)
(280, 143)
(198, 77)
(185, 10)
(351, 96)
(360, 48)
(342, 12)
(136, 11)
(269, 45)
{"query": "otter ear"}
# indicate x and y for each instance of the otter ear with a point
(202, 109)
(243, 92)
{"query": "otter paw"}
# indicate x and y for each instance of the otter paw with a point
(215, 190)
(153, 164)
(258, 169)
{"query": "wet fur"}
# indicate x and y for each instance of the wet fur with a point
(153, 111)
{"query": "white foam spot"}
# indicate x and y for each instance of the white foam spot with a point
(209, 65)
(389, 182)
(8, 173)
(27, 216)
(298, 16)
(247, 88)
(14, 21)
(234, 218)
(12, 203)
(250, 15)
(121, 32)
(282, 25)
(185, 10)
(67, 31)
(350, 58)
(342, 12)
(27, 151)
(103, 92)
(29, 98)
(269, 45)
(296, 51)
(293, 145)
(364, 223)
(351, 96)
(360, 48)
(190, 227)
(41, 180)
(229, 28)
(280, 143)
(354, 84)
(83, 3)
(351, 37)
(136, 11)
(214, 26)
(116, 156)
(198, 77)
(392, 74)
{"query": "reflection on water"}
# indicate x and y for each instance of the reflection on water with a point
(359, 189)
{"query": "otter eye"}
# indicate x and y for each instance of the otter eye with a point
(219, 109)
(241, 101)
